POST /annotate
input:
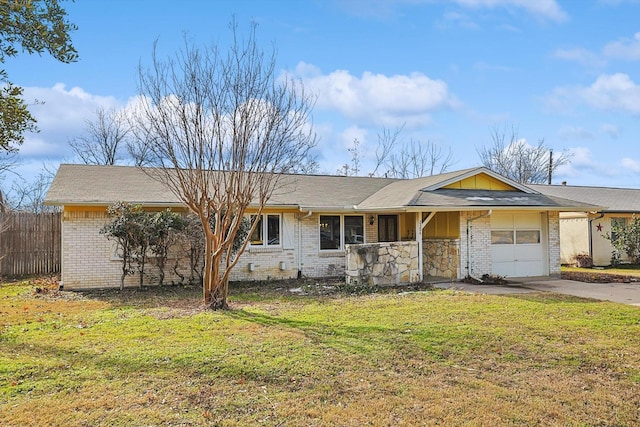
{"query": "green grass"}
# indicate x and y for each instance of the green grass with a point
(433, 357)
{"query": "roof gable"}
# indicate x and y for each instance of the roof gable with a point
(481, 181)
(479, 178)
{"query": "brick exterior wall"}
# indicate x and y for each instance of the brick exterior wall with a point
(89, 260)
(553, 219)
(478, 241)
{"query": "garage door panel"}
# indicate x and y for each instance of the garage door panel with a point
(522, 255)
(528, 253)
(502, 221)
(505, 269)
(526, 269)
(503, 253)
(527, 221)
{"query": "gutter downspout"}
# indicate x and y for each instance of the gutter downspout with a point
(590, 232)
(300, 218)
(469, 221)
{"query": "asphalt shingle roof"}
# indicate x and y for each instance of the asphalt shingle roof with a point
(104, 185)
(495, 199)
(612, 199)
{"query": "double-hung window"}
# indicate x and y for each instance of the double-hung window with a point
(339, 230)
(617, 224)
(267, 231)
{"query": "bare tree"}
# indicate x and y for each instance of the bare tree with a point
(308, 165)
(28, 196)
(138, 147)
(221, 129)
(397, 159)
(103, 140)
(511, 156)
(8, 161)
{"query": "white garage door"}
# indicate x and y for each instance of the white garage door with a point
(516, 245)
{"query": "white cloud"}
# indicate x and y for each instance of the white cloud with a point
(631, 164)
(460, 20)
(376, 98)
(582, 157)
(351, 133)
(628, 49)
(612, 130)
(580, 55)
(582, 165)
(483, 66)
(60, 115)
(62, 107)
(615, 92)
(385, 9)
(625, 49)
(548, 9)
(574, 133)
(610, 92)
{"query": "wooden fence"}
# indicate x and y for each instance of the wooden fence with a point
(30, 243)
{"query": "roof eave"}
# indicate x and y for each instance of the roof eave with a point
(105, 203)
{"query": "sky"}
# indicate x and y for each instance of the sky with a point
(448, 72)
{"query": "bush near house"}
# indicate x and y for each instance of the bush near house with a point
(583, 261)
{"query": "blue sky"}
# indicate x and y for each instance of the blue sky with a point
(566, 71)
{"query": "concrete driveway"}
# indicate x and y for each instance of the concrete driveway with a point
(624, 293)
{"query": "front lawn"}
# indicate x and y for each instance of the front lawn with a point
(426, 357)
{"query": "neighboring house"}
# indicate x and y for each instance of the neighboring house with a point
(584, 232)
(465, 223)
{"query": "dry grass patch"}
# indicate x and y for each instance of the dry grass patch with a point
(152, 357)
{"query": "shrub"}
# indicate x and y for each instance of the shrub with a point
(583, 260)
(626, 239)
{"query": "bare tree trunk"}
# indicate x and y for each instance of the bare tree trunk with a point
(221, 129)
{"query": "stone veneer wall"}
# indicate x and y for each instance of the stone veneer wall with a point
(441, 258)
(379, 264)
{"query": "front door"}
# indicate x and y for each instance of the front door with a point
(387, 228)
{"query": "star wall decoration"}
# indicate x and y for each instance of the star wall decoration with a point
(599, 227)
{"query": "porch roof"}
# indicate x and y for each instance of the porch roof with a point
(461, 199)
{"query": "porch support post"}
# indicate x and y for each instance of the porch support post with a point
(420, 224)
(420, 250)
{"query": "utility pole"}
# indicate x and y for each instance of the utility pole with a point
(550, 165)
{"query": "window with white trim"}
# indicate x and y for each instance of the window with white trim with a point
(617, 224)
(267, 231)
(339, 230)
